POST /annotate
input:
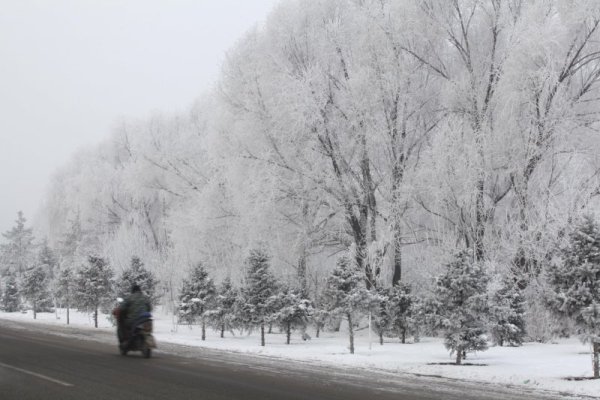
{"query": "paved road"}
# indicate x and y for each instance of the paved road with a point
(38, 365)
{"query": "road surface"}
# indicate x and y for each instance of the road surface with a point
(35, 364)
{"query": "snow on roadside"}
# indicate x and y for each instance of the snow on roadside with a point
(534, 365)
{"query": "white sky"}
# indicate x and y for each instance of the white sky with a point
(70, 69)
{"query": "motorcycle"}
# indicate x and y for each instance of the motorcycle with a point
(139, 338)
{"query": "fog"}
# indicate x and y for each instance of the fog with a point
(70, 69)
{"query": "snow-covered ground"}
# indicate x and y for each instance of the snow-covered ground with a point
(534, 365)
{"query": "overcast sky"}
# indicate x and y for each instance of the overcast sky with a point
(70, 69)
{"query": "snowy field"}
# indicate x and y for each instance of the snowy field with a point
(535, 365)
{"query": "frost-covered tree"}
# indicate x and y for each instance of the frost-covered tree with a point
(196, 297)
(11, 300)
(65, 288)
(18, 253)
(401, 308)
(94, 286)
(137, 273)
(507, 311)
(346, 296)
(34, 288)
(222, 315)
(575, 284)
(259, 291)
(47, 258)
(461, 294)
(294, 311)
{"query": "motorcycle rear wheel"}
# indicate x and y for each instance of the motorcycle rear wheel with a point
(147, 352)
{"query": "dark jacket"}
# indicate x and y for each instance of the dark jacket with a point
(135, 305)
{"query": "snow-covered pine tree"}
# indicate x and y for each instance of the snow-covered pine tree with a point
(222, 316)
(401, 308)
(65, 288)
(34, 288)
(575, 284)
(461, 294)
(294, 311)
(507, 311)
(18, 253)
(196, 297)
(137, 273)
(47, 259)
(93, 286)
(346, 296)
(259, 291)
(382, 315)
(11, 300)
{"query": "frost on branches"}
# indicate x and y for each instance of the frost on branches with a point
(137, 273)
(293, 311)
(35, 289)
(575, 284)
(259, 292)
(94, 286)
(10, 295)
(507, 314)
(346, 296)
(462, 305)
(196, 297)
(222, 315)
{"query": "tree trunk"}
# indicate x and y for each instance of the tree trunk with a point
(262, 334)
(68, 309)
(270, 327)
(351, 333)
(459, 354)
(96, 317)
(318, 330)
(34, 310)
(288, 331)
(403, 336)
(381, 337)
(596, 361)
(203, 330)
(223, 330)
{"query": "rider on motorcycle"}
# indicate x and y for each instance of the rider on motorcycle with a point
(132, 308)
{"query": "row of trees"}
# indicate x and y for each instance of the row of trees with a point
(461, 303)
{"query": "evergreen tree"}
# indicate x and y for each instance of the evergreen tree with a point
(346, 296)
(138, 274)
(47, 259)
(293, 312)
(94, 286)
(507, 314)
(575, 284)
(65, 287)
(196, 297)
(11, 301)
(401, 308)
(17, 254)
(462, 305)
(35, 289)
(222, 316)
(259, 292)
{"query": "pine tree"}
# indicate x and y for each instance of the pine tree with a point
(402, 312)
(137, 273)
(17, 255)
(47, 259)
(462, 300)
(11, 301)
(222, 316)
(65, 287)
(94, 286)
(346, 296)
(259, 292)
(34, 288)
(294, 311)
(575, 284)
(196, 297)
(507, 314)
